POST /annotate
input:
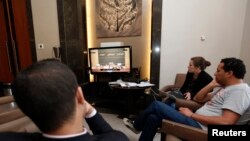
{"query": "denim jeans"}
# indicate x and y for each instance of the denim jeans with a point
(151, 118)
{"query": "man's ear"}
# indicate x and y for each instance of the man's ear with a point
(79, 95)
(230, 73)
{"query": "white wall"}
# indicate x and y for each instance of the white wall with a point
(45, 23)
(185, 21)
(246, 43)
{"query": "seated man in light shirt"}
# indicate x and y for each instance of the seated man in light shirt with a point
(230, 105)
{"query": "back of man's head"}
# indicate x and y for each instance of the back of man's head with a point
(45, 92)
(235, 65)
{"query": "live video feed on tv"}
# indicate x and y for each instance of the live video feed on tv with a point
(110, 60)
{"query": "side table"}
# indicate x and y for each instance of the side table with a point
(132, 95)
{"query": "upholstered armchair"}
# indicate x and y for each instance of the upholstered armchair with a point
(172, 131)
(12, 118)
(179, 80)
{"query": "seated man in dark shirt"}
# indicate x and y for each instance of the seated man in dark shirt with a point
(48, 93)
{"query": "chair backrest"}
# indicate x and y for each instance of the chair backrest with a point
(179, 79)
(11, 115)
(245, 118)
(6, 99)
(12, 118)
(9, 110)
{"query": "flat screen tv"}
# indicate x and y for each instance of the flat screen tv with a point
(115, 59)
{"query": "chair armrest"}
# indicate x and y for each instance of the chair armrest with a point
(6, 99)
(11, 115)
(187, 103)
(168, 88)
(183, 131)
(23, 124)
(12, 118)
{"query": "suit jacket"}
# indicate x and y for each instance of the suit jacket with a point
(102, 131)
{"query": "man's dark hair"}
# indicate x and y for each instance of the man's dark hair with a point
(45, 92)
(235, 65)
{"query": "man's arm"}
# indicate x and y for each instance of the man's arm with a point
(95, 121)
(227, 118)
(204, 94)
(99, 126)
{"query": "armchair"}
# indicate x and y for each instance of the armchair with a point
(178, 131)
(12, 118)
(181, 131)
(179, 80)
(172, 131)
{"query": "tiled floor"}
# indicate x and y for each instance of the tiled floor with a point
(117, 124)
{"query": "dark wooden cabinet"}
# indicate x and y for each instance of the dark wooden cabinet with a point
(15, 48)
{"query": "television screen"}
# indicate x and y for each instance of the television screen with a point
(110, 59)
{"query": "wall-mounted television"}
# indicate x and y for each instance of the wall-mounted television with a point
(115, 59)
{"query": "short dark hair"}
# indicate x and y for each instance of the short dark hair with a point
(235, 65)
(45, 92)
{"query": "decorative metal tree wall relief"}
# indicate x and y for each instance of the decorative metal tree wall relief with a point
(115, 18)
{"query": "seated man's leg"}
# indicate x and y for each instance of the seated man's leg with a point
(151, 118)
(140, 121)
(164, 111)
(151, 126)
(170, 102)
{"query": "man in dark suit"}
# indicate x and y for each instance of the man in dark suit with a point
(48, 93)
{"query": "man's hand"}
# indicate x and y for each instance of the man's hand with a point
(88, 108)
(205, 94)
(186, 111)
(214, 84)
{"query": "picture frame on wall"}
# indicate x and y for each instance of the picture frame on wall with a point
(118, 18)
